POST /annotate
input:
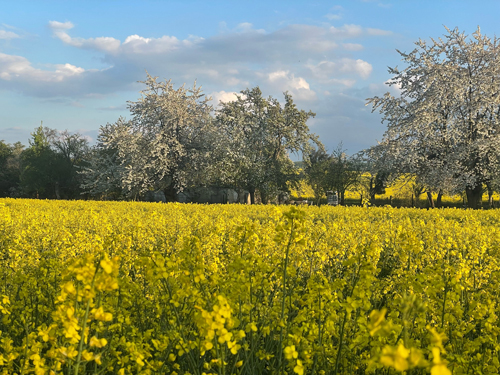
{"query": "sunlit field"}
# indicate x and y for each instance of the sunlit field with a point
(398, 194)
(143, 288)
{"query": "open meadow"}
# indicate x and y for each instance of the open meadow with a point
(142, 288)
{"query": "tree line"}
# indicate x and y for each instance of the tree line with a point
(175, 140)
(443, 132)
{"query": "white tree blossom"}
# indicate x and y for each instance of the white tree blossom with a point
(105, 170)
(444, 127)
(164, 146)
(258, 134)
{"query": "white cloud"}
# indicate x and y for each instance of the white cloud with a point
(343, 82)
(77, 104)
(363, 68)
(352, 46)
(7, 35)
(133, 44)
(244, 26)
(394, 89)
(378, 32)
(68, 70)
(138, 44)
(332, 16)
(277, 75)
(247, 27)
(55, 25)
(224, 97)
(286, 81)
(296, 58)
(106, 44)
(380, 89)
(346, 31)
(19, 68)
(326, 69)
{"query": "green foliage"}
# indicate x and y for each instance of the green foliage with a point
(49, 166)
(10, 168)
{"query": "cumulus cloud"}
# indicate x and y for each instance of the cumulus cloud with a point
(232, 59)
(7, 35)
(58, 80)
(346, 31)
(244, 42)
(14, 67)
(343, 82)
(56, 25)
(297, 86)
(223, 96)
(311, 62)
(327, 69)
(343, 116)
(106, 44)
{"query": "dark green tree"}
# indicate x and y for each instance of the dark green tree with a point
(9, 168)
(49, 166)
(344, 172)
(316, 172)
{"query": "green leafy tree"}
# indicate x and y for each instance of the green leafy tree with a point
(343, 172)
(39, 165)
(49, 166)
(9, 168)
(72, 152)
(316, 172)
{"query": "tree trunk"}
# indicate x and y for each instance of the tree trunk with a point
(263, 197)
(169, 193)
(430, 199)
(58, 196)
(439, 198)
(342, 198)
(372, 191)
(490, 196)
(252, 195)
(474, 196)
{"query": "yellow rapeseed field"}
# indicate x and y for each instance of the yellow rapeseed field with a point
(142, 288)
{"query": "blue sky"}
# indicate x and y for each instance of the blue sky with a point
(75, 64)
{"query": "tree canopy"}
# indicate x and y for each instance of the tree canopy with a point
(444, 125)
(258, 136)
(175, 140)
(161, 148)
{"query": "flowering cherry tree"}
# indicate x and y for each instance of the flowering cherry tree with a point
(164, 146)
(444, 125)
